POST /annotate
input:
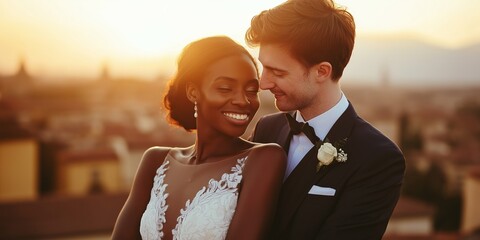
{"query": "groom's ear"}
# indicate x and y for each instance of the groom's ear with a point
(192, 92)
(322, 71)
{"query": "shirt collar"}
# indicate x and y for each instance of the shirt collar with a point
(324, 122)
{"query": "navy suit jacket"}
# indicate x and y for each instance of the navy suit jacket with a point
(367, 185)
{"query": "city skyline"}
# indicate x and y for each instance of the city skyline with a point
(78, 38)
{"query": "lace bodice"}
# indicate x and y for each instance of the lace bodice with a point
(206, 216)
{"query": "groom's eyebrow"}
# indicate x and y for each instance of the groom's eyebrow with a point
(274, 69)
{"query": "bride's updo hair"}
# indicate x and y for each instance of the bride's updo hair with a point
(192, 64)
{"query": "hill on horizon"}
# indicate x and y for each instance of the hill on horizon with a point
(413, 63)
(375, 61)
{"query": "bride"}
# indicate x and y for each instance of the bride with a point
(222, 187)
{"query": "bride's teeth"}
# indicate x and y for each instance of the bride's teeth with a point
(237, 116)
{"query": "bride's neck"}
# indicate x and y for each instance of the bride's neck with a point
(212, 149)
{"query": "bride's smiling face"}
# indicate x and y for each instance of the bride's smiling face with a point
(228, 96)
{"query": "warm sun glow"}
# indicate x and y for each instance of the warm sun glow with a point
(142, 38)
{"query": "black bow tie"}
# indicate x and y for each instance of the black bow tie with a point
(299, 127)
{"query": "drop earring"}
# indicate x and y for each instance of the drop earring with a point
(195, 114)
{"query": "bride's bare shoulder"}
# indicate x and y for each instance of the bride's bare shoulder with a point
(155, 153)
(265, 161)
(268, 152)
(267, 147)
(153, 157)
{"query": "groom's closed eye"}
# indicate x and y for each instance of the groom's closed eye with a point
(275, 72)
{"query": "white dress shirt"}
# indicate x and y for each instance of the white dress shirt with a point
(300, 144)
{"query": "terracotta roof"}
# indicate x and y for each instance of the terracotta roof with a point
(409, 207)
(10, 130)
(87, 155)
(433, 236)
(474, 172)
(60, 216)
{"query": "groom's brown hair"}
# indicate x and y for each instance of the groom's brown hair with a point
(314, 31)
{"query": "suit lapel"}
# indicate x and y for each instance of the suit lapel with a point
(299, 182)
(296, 186)
(343, 126)
(340, 131)
(284, 137)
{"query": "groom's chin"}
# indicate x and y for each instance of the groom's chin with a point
(283, 107)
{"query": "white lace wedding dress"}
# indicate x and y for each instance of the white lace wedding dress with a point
(206, 216)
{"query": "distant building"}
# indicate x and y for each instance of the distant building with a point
(19, 160)
(411, 217)
(432, 236)
(389, 127)
(88, 171)
(459, 165)
(387, 121)
(18, 83)
(385, 77)
(471, 198)
(105, 72)
(434, 132)
(22, 72)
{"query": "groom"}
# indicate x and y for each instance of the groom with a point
(343, 176)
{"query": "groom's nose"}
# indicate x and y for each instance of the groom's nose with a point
(266, 82)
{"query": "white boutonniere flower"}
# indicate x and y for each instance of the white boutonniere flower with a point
(328, 152)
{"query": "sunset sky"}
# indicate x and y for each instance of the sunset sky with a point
(140, 38)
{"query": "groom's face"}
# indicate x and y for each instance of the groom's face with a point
(287, 79)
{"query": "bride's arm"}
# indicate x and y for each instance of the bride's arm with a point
(127, 225)
(262, 180)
